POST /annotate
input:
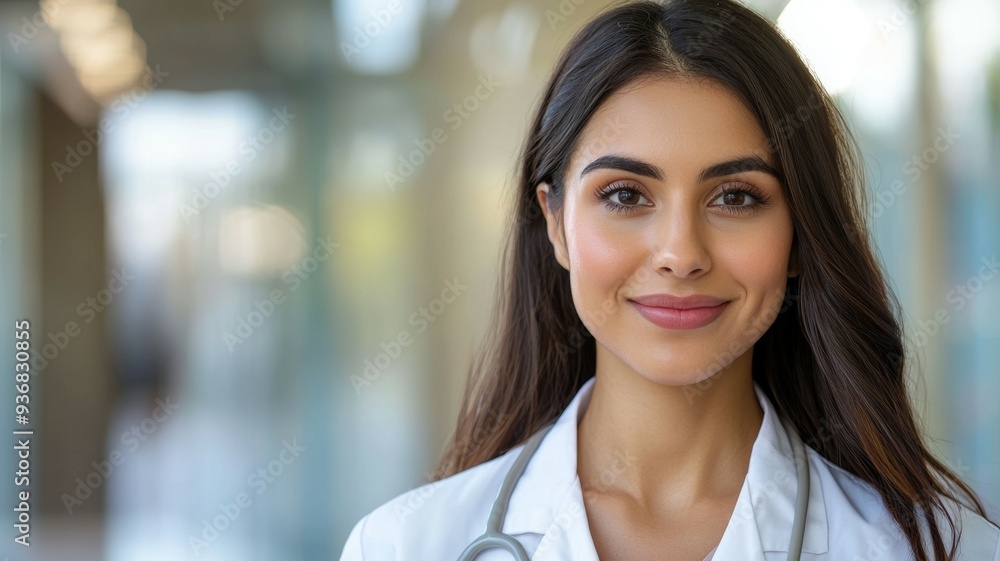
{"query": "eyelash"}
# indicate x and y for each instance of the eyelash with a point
(604, 193)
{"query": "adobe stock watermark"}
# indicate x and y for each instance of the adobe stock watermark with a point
(249, 149)
(417, 498)
(487, 425)
(900, 16)
(455, 115)
(621, 463)
(117, 111)
(711, 33)
(230, 512)
(89, 309)
(378, 21)
(572, 513)
(225, 7)
(914, 168)
(958, 297)
(130, 440)
(30, 27)
(597, 142)
(750, 335)
(776, 480)
(421, 320)
(293, 278)
(564, 10)
(780, 477)
(791, 122)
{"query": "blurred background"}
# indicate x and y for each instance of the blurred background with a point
(257, 243)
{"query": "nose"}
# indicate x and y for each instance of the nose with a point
(678, 244)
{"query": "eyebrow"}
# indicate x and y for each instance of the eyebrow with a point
(638, 167)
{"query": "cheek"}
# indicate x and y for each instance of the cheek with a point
(601, 258)
(759, 263)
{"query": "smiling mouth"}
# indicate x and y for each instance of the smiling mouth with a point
(680, 319)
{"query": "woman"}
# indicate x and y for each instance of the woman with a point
(690, 293)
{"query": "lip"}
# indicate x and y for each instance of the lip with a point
(679, 312)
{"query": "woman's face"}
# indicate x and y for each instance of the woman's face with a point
(672, 190)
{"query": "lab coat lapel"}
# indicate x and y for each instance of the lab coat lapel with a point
(568, 536)
(765, 509)
(741, 540)
(548, 499)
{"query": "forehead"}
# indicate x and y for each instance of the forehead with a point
(670, 122)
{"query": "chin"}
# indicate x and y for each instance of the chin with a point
(677, 378)
(681, 358)
(686, 368)
(696, 362)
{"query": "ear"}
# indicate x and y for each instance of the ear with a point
(554, 226)
(793, 259)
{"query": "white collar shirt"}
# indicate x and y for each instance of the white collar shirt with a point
(846, 518)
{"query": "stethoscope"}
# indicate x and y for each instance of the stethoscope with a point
(494, 536)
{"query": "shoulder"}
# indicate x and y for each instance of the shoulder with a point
(855, 508)
(433, 521)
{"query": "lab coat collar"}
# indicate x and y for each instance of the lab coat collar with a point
(548, 499)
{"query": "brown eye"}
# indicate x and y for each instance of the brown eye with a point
(735, 198)
(622, 198)
(628, 197)
(744, 199)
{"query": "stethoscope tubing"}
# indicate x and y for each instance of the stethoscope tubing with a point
(494, 536)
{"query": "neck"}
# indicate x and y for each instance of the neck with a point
(669, 446)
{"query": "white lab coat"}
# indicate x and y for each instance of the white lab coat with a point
(846, 520)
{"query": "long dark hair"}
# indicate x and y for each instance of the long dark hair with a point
(833, 361)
